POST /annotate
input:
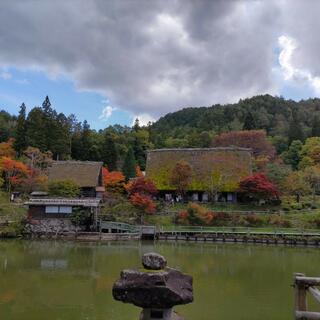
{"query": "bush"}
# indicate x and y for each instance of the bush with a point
(253, 220)
(195, 215)
(278, 221)
(64, 188)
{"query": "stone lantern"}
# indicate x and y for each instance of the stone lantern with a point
(157, 289)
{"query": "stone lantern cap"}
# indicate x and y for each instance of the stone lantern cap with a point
(161, 289)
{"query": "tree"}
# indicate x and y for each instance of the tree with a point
(129, 165)
(181, 177)
(85, 141)
(310, 152)
(36, 129)
(34, 180)
(315, 128)
(20, 142)
(141, 185)
(312, 176)
(296, 184)
(6, 149)
(277, 172)
(143, 203)
(253, 139)
(293, 155)
(64, 188)
(13, 171)
(109, 152)
(37, 159)
(258, 187)
(113, 181)
(249, 122)
(295, 131)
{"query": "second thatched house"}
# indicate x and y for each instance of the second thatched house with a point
(86, 174)
(216, 172)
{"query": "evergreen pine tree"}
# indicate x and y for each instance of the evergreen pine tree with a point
(20, 143)
(85, 141)
(129, 165)
(109, 152)
(295, 131)
(36, 129)
(249, 122)
(315, 129)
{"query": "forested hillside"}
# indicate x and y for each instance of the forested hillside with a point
(283, 120)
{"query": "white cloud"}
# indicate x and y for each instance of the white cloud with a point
(107, 112)
(5, 75)
(143, 118)
(288, 46)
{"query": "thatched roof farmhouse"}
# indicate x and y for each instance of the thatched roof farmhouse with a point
(227, 164)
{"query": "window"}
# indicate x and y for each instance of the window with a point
(58, 209)
(52, 209)
(64, 209)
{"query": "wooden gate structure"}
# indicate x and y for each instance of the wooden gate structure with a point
(303, 285)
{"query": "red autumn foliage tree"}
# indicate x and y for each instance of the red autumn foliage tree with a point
(181, 176)
(253, 139)
(113, 180)
(258, 187)
(143, 203)
(13, 172)
(141, 185)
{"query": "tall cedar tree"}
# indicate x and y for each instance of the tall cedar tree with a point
(20, 143)
(249, 122)
(36, 131)
(295, 131)
(85, 141)
(129, 165)
(109, 152)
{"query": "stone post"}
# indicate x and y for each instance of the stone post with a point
(156, 291)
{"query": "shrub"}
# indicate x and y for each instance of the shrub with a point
(253, 220)
(195, 215)
(143, 203)
(64, 188)
(278, 221)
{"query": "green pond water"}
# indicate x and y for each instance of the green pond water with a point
(73, 281)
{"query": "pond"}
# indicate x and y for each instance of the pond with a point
(47, 280)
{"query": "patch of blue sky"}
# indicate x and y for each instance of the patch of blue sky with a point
(31, 87)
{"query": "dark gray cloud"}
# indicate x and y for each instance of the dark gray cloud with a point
(155, 56)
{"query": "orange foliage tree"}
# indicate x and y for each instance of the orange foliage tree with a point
(13, 172)
(6, 149)
(114, 181)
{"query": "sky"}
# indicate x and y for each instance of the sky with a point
(110, 62)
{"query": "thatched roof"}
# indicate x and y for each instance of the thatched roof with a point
(224, 166)
(84, 173)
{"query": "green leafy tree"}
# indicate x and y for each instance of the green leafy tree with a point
(293, 155)
(315, 129)
(129, 165)
(64, 188)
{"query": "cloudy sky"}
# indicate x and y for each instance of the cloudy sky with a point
(110, 61)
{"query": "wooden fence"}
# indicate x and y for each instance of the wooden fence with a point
(303, 285)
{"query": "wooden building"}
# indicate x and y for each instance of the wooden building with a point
(87, 174)
(54, 213)
(216, 172)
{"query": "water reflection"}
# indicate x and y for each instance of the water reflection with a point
(67, 281)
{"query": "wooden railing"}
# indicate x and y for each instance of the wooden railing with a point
(303, 285)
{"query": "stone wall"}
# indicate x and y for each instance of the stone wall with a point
(50, 226)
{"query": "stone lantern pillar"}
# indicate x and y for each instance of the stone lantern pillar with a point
(157, 289)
